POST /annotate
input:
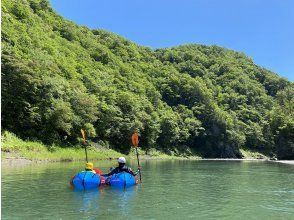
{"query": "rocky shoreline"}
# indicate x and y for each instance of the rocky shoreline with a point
(286, 161)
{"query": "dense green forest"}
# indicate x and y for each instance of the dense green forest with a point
(58, 77)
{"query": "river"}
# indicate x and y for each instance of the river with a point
(171, 189)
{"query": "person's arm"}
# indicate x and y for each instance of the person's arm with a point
(131, 172)
(111, 173)
(138, 171)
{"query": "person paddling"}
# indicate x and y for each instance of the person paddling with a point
(121, 168)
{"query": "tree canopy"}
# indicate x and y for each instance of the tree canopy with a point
(58, 77)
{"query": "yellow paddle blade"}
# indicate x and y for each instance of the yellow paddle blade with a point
(83, 135)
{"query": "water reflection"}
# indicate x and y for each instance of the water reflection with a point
(86, 201)
(122, 196)
(105, 201)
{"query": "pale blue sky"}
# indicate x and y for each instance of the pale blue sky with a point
(262, 29)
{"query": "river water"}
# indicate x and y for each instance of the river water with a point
(171, 189)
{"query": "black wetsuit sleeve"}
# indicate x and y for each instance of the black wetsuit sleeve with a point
(129, 170)
(112, 172)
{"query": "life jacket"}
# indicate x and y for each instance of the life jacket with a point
(99, 172)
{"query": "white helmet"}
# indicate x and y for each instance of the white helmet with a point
(121, 160)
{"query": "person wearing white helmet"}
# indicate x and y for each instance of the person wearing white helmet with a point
(122, 160)
(121, 168)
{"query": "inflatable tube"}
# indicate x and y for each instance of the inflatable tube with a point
(121, 180)
(86, 180)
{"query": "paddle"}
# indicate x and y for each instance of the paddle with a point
(135, 142)
(85, 144)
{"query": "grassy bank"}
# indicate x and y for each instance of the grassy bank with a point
(249, 154)
(14, 147)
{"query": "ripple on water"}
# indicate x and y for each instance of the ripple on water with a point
(170, 190)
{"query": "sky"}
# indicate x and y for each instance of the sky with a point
(262, 29)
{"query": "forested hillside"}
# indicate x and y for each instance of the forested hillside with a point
(58, 77)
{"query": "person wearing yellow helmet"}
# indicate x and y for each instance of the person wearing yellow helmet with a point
(89, 167)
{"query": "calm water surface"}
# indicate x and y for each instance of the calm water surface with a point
(170, 190)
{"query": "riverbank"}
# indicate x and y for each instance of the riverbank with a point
(26, 158)
(16, 162)
(21, 158)
(15, 152)
(25, 153)
(285, 161)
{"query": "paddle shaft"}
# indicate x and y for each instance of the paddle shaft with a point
(86, 153)
(138, 164)
(85, 143)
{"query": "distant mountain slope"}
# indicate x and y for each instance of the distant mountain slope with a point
(58, 77)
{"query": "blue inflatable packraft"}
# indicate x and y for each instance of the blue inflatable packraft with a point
(122, 179)
(86, 180)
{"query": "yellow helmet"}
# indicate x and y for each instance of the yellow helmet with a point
(89, 166)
